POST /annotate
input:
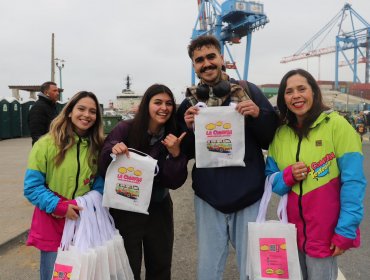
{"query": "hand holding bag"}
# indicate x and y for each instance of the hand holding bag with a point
(119, 266)
(219, 137)
(272, 251)
(68, 261)
(129, 182)
(89, 249)
(102, 268)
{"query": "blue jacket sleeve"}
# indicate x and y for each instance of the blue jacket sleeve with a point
(278, 185)
(37, 193)
(351, 195)
(98, 184)
(348, 149)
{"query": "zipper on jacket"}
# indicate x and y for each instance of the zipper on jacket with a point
(300, 198)
(78, 166)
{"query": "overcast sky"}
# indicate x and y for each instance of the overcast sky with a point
(103, 41)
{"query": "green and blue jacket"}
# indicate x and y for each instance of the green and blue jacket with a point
(326, 207)
(51, 188)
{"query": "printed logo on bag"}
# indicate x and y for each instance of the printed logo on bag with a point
(274, 258)
(218, 137)
(62, 272)
(321, 168)
(130, 179)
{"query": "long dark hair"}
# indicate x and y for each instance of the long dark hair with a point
(61, 129)
(289, 118)
(138, 137)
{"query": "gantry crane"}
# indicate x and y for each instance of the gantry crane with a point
(229, 22)
(355, 38)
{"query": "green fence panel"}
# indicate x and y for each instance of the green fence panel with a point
(5, 116)
(60, 106)
(25, 109)
(15, 119)
(110, 122)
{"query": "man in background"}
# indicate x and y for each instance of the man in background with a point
(43, 111)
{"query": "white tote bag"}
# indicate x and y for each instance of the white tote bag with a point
(102, 268)
(67, 265)
(272, 251)
(88, 247)
(219, 137)
(68, 261)
(122, 256)
(83, 242)
(129, 182)
(113, 240)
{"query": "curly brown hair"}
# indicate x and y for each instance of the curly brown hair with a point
(201, 41)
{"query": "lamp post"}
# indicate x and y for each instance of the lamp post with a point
(362, 100)
(60, 64)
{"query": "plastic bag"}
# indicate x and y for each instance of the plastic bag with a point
(88, 248)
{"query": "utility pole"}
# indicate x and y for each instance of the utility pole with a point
(52, 59)
(367, 66)
(319, 78)
(60, 64)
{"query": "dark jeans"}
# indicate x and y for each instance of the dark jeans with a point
(47, 262)
(149, 234)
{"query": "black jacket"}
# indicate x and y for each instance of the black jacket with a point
(229, 189)
(40, 117)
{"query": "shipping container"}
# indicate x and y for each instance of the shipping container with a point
(360, 86)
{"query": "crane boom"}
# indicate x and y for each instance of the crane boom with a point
(303, 55)
(355, 39)
(318, 52)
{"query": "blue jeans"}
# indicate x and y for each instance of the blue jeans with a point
(318, 268)
(47, 260)
(214, 231)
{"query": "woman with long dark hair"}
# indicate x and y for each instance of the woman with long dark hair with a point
(152, 131)
(318, 161)
(62, 166)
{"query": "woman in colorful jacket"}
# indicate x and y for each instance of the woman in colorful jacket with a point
(152, 131)
(318, 159)
(62, 166)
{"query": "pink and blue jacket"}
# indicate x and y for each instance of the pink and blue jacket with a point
(51, 188)
(326, 207)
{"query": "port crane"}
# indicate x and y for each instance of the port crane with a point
(353, 38)
(229, 22)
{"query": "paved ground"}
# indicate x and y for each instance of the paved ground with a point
(15, 210)
(18, 261)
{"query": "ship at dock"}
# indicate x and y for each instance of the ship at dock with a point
(126, 102)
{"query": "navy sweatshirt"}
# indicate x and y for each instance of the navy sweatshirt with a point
(229, 189)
